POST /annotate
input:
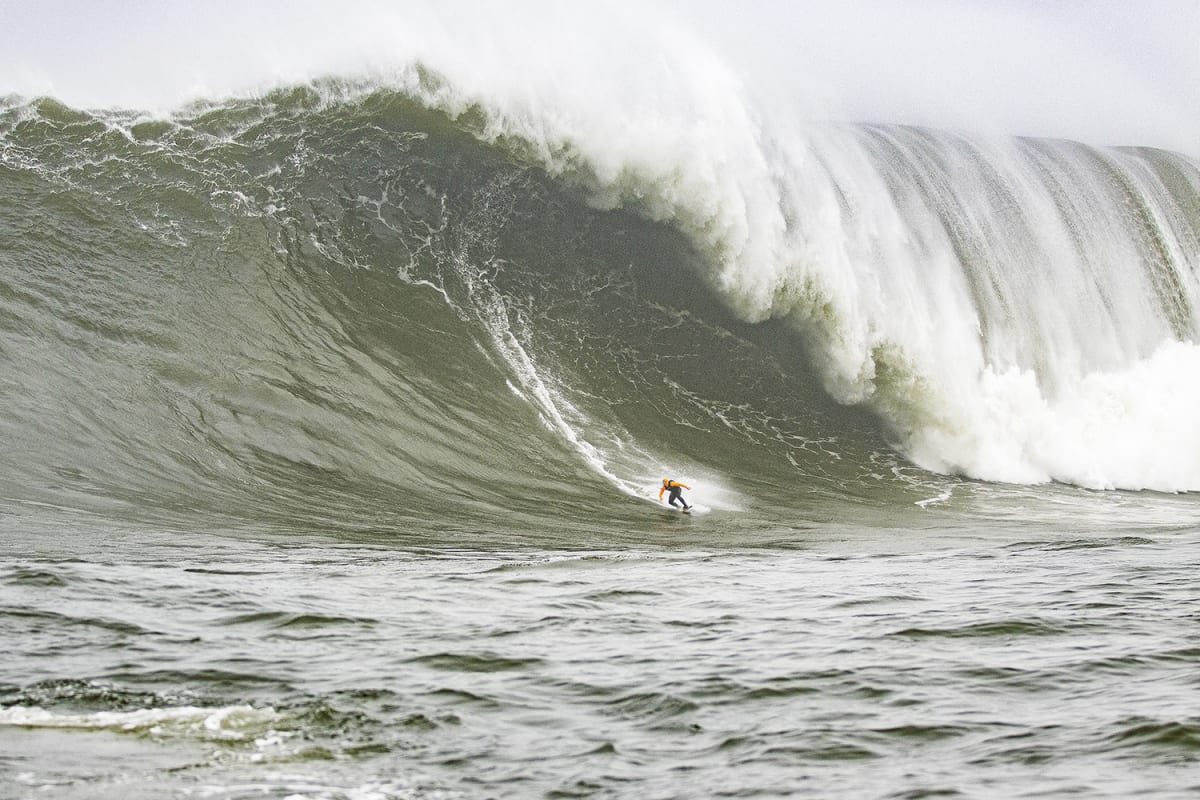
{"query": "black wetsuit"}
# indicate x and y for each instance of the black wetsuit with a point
(676, 494)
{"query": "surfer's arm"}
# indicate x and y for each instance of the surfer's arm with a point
(684, 485)
(660, 491)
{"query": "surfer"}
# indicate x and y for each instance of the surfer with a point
(676, 492)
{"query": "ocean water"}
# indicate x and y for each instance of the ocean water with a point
(831, 663)
(334, 417)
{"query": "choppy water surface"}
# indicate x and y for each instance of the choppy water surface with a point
(843, 666)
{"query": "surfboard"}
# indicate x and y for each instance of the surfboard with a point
(692, 510)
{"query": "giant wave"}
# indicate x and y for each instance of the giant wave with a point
(301, 304)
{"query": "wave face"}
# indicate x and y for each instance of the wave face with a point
(1014, 310)
(302, 306)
